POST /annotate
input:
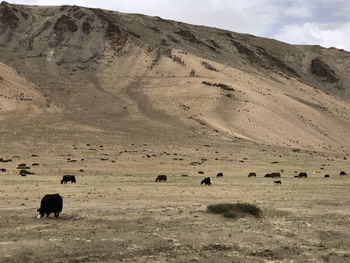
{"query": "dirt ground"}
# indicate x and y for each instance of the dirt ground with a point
(116, 212)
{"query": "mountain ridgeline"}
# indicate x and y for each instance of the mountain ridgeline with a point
(132, 74)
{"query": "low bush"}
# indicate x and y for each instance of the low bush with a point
(208, 66)
(230, 210)
(220, 85)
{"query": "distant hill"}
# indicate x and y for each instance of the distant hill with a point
(138, 75)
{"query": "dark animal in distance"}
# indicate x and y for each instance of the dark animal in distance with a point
(206, 181)
(277, 182)
(343, 173)
(50, 203)
(326, 176)
(220, 175)
(273, 175)
(252, 174)
(161, 177)
(301, 175)
(68, 178)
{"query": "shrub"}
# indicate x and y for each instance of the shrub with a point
(220, 85)
(250, 209)
(208, 66)
(230, 210)
(25, 172)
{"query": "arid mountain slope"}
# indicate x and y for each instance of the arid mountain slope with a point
(140, 75)
(17, 94)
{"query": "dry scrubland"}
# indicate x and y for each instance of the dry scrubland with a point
(117, 99)
(117, 212)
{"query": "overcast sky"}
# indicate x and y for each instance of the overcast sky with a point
(315, 22)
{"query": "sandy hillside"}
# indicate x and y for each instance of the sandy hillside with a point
(103, 68)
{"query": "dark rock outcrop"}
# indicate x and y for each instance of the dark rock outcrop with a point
(264, 59)
(65, 23)
(8, 15)
(322, 70)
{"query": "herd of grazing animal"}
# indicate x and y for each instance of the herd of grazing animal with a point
(207, 180)
(53, 203)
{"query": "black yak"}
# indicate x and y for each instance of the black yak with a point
(277, 182)
(220, 175)
(302, 175)
(50, 203)
(274, 175)
(68, 178)
(161, 177)
(252, 174)
(206, 181)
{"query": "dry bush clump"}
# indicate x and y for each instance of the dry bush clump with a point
(220, 85)
(208, 66)
(234, 211)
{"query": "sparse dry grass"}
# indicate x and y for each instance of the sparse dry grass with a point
(115, 207)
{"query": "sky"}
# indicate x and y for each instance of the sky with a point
(312, 22)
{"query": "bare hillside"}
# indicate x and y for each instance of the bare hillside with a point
(137, 75)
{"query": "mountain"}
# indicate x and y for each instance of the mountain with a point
(93, 71)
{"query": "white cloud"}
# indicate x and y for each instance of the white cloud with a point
(326, 35)
(299, 12)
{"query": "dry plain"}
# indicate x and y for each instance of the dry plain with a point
(117, 212)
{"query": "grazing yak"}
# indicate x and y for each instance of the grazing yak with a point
(326, 175)
(161, 177)
(273, 175)
(206, 181)
(252, 174)
(278, 182)
(68, 178)
(343, 173)
(301, 175)
(50, 203)
(220, 175)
